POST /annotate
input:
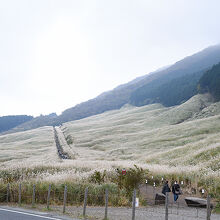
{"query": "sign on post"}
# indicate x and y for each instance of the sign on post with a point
(137, 202)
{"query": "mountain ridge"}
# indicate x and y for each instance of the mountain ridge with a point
(121, 95)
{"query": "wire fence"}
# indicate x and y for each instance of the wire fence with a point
(88, 203)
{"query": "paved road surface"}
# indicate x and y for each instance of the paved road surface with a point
(7, 213)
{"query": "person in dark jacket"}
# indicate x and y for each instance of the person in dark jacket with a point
(176, 191)
(166, 188)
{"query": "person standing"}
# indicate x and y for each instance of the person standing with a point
(166, 188)
(176, 191)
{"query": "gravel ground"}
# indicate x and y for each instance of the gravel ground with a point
(152, 213)
(125, 213)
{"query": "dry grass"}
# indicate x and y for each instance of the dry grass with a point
(180, 139)
(152, 136)
(27, 148)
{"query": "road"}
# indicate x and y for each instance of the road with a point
(8, 213)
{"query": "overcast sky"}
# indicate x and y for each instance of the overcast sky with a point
(55, 54)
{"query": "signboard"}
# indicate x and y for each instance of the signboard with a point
(123, 171)
(137, 202)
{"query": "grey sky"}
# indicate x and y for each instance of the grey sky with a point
(55, 54)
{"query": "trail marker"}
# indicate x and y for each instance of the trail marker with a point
(123, 171)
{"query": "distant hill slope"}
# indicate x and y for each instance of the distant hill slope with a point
(210, 82)
(176, 84)
(179, 82)
(11, 121)
(167, 92)
(43, 120)
(195, 64)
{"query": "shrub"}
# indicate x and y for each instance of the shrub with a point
(98, 177)
(131, 180)
(75, 193)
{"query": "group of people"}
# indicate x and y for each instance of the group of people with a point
(175, 190)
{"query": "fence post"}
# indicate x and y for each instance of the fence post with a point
(64, 199)
(33, 196)
(19, 194)
(106, 204)
(133, 204)
(48, 197)
(7, 198)
(166, 205)
(85, 202)
(208, 207)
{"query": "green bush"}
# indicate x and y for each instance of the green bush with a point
(131, 180)
(98, 177)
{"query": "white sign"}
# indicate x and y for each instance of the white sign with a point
(203, 191)
(137, 202)
(181, 182)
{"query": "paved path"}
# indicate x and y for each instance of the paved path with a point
(8, 213)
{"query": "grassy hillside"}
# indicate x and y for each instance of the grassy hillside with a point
(25, 148)
(153, 134)
(179, 139)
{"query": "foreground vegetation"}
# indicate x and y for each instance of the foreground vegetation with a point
(120, 188)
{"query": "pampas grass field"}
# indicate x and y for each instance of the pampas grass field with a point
(183, 140)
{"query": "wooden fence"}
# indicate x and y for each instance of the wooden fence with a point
(8, 195)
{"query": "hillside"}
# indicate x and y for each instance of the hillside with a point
(30, 147)
(170, 86)
(152, 135)
(210, 82)
(178, 82)
(179, 139)
(195, 64)
(40, 121)
(11, 121)
(169, 93)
